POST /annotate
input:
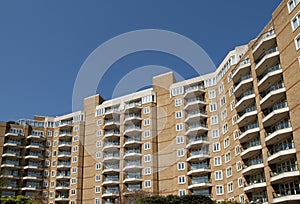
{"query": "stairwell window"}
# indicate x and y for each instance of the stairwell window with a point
(296, 22)
(179, 127)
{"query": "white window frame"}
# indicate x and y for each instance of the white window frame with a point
(180, 166)
(215, 133)
(227, 157)
(212, 94)
(147, 133)
(147, 122)
(147, 110)
(213, 107)
(239, 166)
(216, 147)
(147, 171)
(179, 127)
(218, 175)
(147, 184)
(147, 158)
(97, 177)
(147, 146)
(178, 114)
(181, 179)
(181, 192)
(227, 172)
(214, 120)
(218, 158)
(296, 42)
(180, 152)
(178, 102)
(226, 142)
(240, 182)
(98, 166)
(97, 189)
(230, 187)
(219, 190)
(179, 139)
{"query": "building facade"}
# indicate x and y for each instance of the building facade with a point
(231, 135)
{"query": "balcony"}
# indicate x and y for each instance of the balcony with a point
(64, 165)
(12, 143)
(132, 188)
(266, 40)
(65, 123)
(198, 155)
(133, 130)
(63, 186)
(241, 69)
(255, 185)
(111, 112)
(111, 180)
(252, 166)
(195, 115)
(34, 155)
(133, 177)
(10, 163)
(15, 133)
(247, 116)
(199, 169)
(281, 130)
(11, 153)
(111, 156)
(135, 106)
(251, 149)
(33, 165)
(111, 133)
(199, 183)
(35, 145)
(276, 113)
(284, 173)
(281, 153)
(244, 83)
(36, 137)
(132, 118)
(64, 144)
(249, 132)
(196, 141)
(269, 57)
(65, 134)
(111, 145)
(111, 192)
(132, 153)
(63, 175)
(270, 75)
(10, 174)
(195, 129)
(111, 168)
(132, 166)
(62, 154)
(194, 103)
(62, 197)
(274, 93)
(244, 100)
(291, 195)
(131, 141)
(192, 91)
(112, 123)
(31, 187)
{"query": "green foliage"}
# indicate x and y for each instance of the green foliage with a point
(17, 200)
(173, 199)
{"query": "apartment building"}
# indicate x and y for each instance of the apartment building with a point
(230, 135)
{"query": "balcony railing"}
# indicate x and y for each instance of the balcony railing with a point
(247, 110)
(243, 78)
(10, 162)
(107, 166)
(133, 164)
(130, 151)
(284, 169)
(191, 100)
(64, 153)
(199, 166)
(131, 105)
(133, 176)
(133, 139)
(252, 144)
(244, 94)
(281, 147)
(264, 36)
(255, 161)
(132, 115)
(279, 126)
(109, 179)
(111, 144)
(196, 125)
(246, 61)
(65, 132)
(271, 69)
(249, 127)
(65, 143)
(272, 50)
(14, 142)
(16, 153)
(197, 139)
(272, 88)
(108, 132)
(131, 127)
(199, 152)
(255, 181)
(200, 180)
(110, 155)
(277, 106)
(191, 88)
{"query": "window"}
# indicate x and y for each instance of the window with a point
(178, 102)
(147, 122)
(177, 91)
(292, 4)
(75, 148)
(213, 107)
(98, 143)
(180, 152)
(146, 110)
(98, 155)
(224, 114)
(48, 153)
(74, 159)
(212, 94)
(296, 22)
(147, 184)
(230, 187)
(181, 179)
(217, 161)
(54, 163)
(72, 202)
(147, 146)
(215, 133)
(52, 184)
(97, 200)
(229, 77)
(45, 184)
(228, 171)
(179, 139)
(216, 147)
(48, 143)
(297, 41)
(219, 190)
(99, 122)
(235, 134)
(53, 173)
(47, 163)
(240, 182)
(232, 105)
(214, 119)
(179, 127)
(234, 119)
(74, 170)
(54, 153)
(55, 143)
(76, 128)
(73, 181)
(227, 157)
(218, 175)
(222, 101)
(99, 133)
(226, 142)
(178, 114)
(180, 166)
(237, 150)
(49, 133)
(98, 166)
(147, 171)
(181, 192)
(97, 189)
(221, 88)
(76, 138)
(231, 89)
(98, 177)
(238, 166)
(46, 173)
(146, 133)
(147, 158)
(225, 128)
(55, 133)
(51, 195)
(242, 198)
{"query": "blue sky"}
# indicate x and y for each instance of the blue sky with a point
(44, 43)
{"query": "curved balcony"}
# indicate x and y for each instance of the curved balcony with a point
(64, 165)
(281, 130)
(265, 41)
(111, 112)
(199, 169)
(34, 156)
(244, 100)
(109, 168)
(284, 174)
(133, 178)
(65, 134)
(247, 116)
(64, 154)
(31, 188)
(63, 175)
(64, 145)
(134, 153)
(198, 155)
(197, 141)
(112, 123)
(111, 145)
(195, 116)
(194, 103)
(255, 185)
(196, 129)
(33, 165)
(193, 91)
(111, 180)
(132, 166)
(289, 195)
(249, 132)
(276, 113)
(251, 149)
(15, 134)
(34, 145)
(111, 157)
(132, 141)
(12, 143)
(132, 118)
(36, 137)
(241, 69)
(200, 183)
(11, 153)
(132, 130)
(270, 75)
(63, 186)
(135, 106)
(62, 197)
(111, 133)
(244, 83)
(10, 164)
(281, 153)
(252, 166)
(274, 93)
(111, 192)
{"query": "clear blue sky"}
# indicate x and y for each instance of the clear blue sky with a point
(44, 43)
